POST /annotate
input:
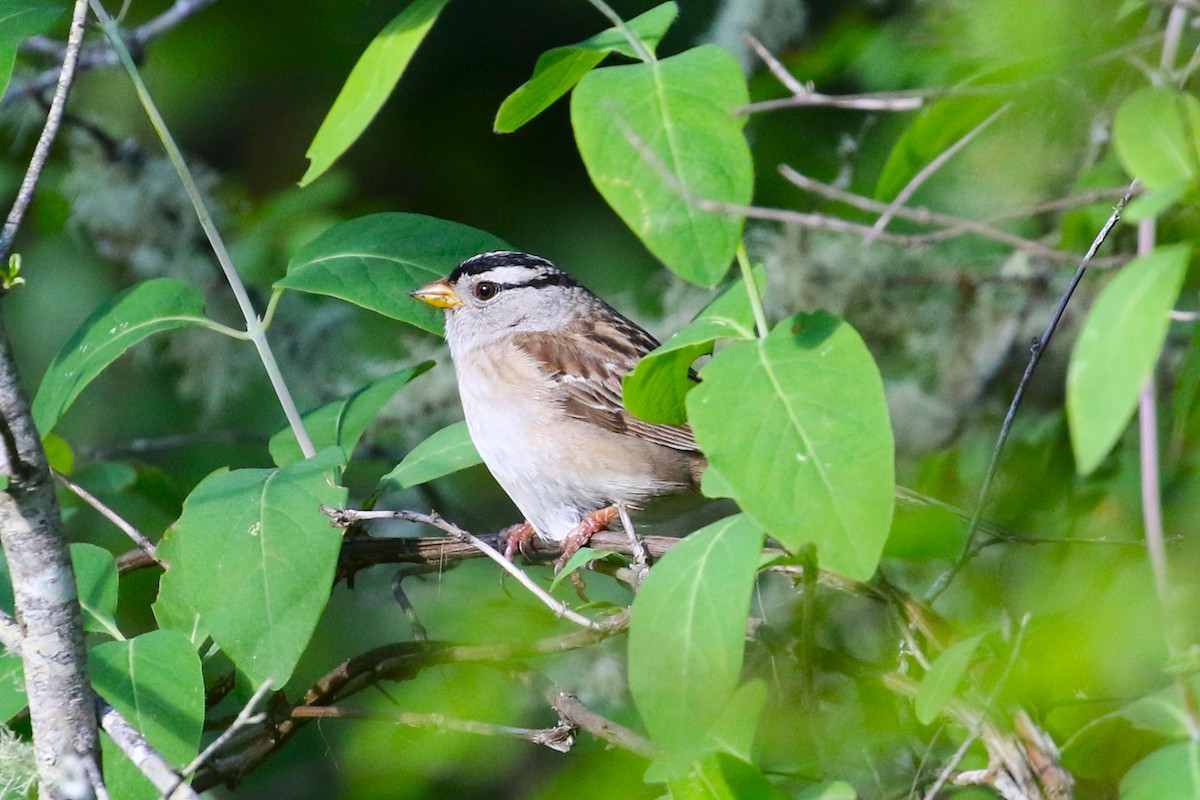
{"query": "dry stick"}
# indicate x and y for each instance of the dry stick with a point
(139, 538)
(926, 217)
(41, 151)
(933, 166)
(826, 222)
(1035, 356)
(245, 718)
(561, 737)
(144, 757)
(344, 518)
(804, 94)
(571, 709)
(99, 55)
(254, 327)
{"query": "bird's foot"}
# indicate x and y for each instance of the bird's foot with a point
(582, 533)
(517, 538)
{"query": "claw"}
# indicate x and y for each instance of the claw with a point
(517, 538)
(582, 533)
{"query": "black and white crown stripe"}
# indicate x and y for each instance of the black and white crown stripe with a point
(512, 270)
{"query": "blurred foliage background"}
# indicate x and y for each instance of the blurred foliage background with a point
(245, 85)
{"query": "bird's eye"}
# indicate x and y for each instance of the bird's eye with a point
(486, 290)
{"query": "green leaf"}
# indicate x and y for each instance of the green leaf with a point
(20, 19)
(96, 578)
(558, 70)
(658, 137)
(375, 261)
(930, 135)
(1172, 773)
(1157, 136)
(943, 678)
(442, 453)
(1155, 204)
(155, 681)
(12, 685)
(370, 82)
(734, 731)
(687, 633)
(59, 453)
(720, 776)
(834, 790)
(579, 559)
(797, 427)
(252, 559)
(156, 305)
(655, 390)
(344, 421)
(1117, 349)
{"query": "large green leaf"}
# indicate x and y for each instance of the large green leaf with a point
(687, 633)
(96, 578)
(797, 427)
(344, 421)
(558, 70)
(20, 19)
(656, 138)
(156, 305)
(657, 387)
(252, 557)
(1172, 773)
(445, 452)
(1157, 136)
(930, 135)
(370, 82)
(1117, 349)
(155, 681)
(943, 678)
(375, 261)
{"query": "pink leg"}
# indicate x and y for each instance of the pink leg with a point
(582, 533)
(516, 538)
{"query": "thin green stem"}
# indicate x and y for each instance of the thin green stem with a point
(254, 327)
(638, 47)
(272, 304)
(756, 305)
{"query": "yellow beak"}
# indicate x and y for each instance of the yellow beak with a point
(439, 294)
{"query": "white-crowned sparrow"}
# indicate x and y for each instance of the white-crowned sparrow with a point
(539, 361)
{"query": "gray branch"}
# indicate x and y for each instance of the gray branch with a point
(61, 711)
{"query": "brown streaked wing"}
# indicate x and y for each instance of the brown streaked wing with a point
(589, 378)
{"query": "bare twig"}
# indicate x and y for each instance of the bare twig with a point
(561, 737)
(951, 765)
(950, 223)
(777, 69)
(572, 709)
(345, 518)
(245, 718)
(144, 757)
(1039, 347)
(139, 538)
(933, 166)
(641, 560)
(41, 151)
(98, 55)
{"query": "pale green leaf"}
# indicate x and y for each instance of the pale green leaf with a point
(687, 633)
(1117, 349)
(1156, 134)
(943, 678)
(1172, 773)
(445, 452)
(721, 776)
(20, 19)
(375, 261)
(252, 557)
(658, 137)
(155, 682)
(370, 82)
(12, 685)
(345, 420)
(834, 790)
(656, 389)
(558, 70)
(578, 560)
(96, 578)
(934, 131)
(155, 305)
(797, 427)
